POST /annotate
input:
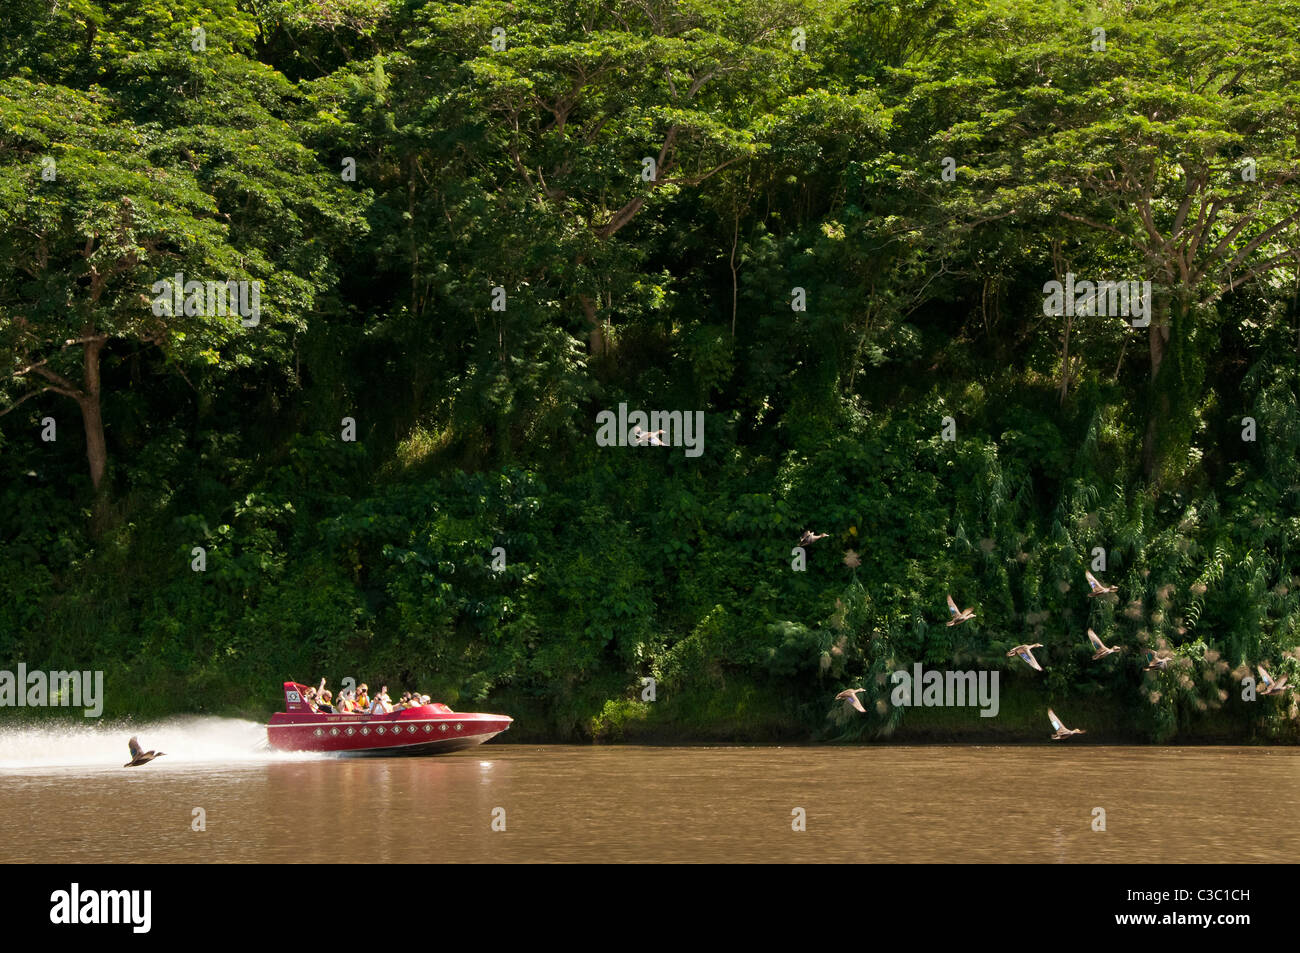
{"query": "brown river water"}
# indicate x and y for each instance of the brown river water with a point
(65, 798)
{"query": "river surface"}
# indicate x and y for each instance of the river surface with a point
(65, 797)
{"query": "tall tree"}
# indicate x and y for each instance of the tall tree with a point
(175, 162)
(602, 108)
(1172, 136)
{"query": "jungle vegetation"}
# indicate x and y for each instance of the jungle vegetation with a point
(826, 225)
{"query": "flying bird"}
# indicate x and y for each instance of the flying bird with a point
(644, 437)
(1271, 687)
(809, 537)
(140, 756)
(1100, 646)
(1097, 588)
(1155, 661)
(958, 615)
(852, 695)
(1026, 652)
(1061, 732)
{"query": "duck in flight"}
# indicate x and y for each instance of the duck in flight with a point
(140, 756)
(1155, 661)
(652, 438)
(852, 695)
(1061, 731)
(1100, 646)
(809, 537)
(1097, 588)
(1026, 652)
(958, 615)
(1271, 687)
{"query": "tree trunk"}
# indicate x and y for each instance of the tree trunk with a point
(92, 416)
(1158, 409)
(597, 343)
(1064, 389)
(1158, 339)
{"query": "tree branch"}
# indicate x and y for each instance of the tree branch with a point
(62, 384)
(36, 393)
(1265, 266)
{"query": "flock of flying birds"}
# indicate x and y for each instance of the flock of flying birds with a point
(1155, 660)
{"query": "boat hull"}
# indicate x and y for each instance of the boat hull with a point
(413, 731)
(423, 748)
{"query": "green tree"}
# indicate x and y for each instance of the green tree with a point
(1175, 143)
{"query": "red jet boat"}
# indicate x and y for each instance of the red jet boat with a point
(424, 729)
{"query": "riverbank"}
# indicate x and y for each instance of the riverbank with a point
(742, 715)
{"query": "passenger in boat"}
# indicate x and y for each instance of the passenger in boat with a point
(324, 702)
(363, 698)
(318, 699)
(381, 705)
(424, 700)
(345, 706)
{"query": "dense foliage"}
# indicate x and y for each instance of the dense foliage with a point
(462, 262)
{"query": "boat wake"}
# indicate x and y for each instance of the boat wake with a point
(187, 739)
